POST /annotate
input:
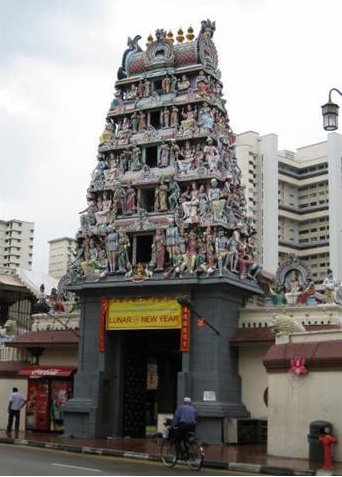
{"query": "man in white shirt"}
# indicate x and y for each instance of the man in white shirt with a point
(16, 402)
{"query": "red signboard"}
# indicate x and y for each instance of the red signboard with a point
(185, 330)
(47, 371)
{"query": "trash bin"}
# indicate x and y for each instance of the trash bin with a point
(317, 428)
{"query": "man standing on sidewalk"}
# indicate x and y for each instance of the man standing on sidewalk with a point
(16, 402)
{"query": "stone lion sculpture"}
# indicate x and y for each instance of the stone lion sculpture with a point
(284, 325)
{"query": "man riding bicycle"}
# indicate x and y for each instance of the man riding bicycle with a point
(184, 421)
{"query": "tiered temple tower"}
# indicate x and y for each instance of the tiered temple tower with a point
(166, 216)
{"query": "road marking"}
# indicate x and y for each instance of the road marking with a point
(76, 467)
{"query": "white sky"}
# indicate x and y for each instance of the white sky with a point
(59, 59)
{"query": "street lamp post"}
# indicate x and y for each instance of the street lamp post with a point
(330, 113)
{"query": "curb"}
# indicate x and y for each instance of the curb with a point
(232, 466)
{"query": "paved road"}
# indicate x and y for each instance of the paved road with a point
(22, 460)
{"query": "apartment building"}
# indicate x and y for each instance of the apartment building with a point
(61, 250)
(16, 244)
(296, 198)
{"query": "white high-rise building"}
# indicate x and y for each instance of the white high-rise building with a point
(61, 250)
(16, 244)
(296, 198)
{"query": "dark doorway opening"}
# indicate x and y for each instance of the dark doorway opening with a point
(151, 156)
(147, 199)
(144, 248)
(155, 119)
(152, 362)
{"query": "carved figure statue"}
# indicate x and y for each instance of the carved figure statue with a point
(205, 116)
(142, 121)
(160, 200)
(221, 250)
(136, 163)
(159, 250)
(211, 155)
(329, 286)
(124, 244)
(108, 133)
(284, 325)
(183, 83)
(164, 153)
(130, 200)
(189, 116)
(166, 84)
(202, 83)
(174, 193)
(174, 122)
(171, 239)
(112, 249)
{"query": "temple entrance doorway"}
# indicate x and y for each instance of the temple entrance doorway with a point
(151, 363)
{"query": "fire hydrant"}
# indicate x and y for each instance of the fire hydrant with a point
(327, 441)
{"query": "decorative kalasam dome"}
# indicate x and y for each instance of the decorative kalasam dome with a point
(165, 198)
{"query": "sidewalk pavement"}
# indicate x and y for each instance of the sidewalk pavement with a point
(239, 458)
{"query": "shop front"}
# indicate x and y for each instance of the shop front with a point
(49, 388)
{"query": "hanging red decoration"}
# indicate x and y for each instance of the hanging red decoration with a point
(102, 325)
(298, 366)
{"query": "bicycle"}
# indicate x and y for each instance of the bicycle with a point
(172, 451)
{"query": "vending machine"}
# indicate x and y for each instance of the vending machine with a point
(48, 390)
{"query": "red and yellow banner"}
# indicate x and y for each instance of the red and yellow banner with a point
(185, 330)
(144, 313)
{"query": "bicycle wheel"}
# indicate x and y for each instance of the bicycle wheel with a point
(195, 456)
(168, 453)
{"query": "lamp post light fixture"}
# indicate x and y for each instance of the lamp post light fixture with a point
(330, 113)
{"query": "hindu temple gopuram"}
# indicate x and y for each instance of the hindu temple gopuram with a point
(165, 248)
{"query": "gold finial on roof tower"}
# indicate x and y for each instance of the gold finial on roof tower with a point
(149, 39)
(180, 35)
(170, 36)
(190, 34)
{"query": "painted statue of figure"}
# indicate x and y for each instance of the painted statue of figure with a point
(160, 200)
(189, 116)
(164, 153)
(205, 116)
(108, 133)
(142, 121)
(159, 250)
(147, 88)
(166, 84)
(202, 83)
(174, 194)
(141, 89)
(174, 122)
(171, 239)
(202, 200)
(112, 249)
(136, 163)
(233, 252)
(329, 286)
(191, 251)
(214, 196)
(221, 250)
(124, 244)
(183, 83)
(130, 200)
(164, 119)
(134, 121)
(211, 155)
